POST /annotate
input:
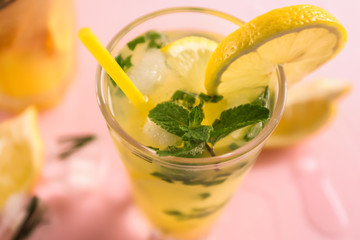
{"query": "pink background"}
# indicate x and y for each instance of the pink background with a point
(306, 192)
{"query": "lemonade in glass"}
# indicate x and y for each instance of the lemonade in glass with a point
(215, 91)
(181, 197)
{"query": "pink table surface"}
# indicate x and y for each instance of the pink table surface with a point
(306, 192)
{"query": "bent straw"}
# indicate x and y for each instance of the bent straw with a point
(102, 55)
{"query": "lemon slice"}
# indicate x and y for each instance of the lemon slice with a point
(21, 152)
(311, 106)
(301, 38)
(188, 57)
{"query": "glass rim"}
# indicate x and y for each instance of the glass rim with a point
(172, 161)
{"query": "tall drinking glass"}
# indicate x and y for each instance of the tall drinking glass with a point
(182, 197)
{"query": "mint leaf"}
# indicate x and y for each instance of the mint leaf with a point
(189, 150)
(74, 143)
(152, 35)
(125, 64)
(204, 195)
(162, 176)
(211, 99)
(233, 146)
(263, 98)
(173, 213)
(200, 133)
(154, 44)
(254, 131)
(194, 213)
(171, 117)
(184, 98)
(196, 116)
(132, 44)
(236, 118)
(155, 39)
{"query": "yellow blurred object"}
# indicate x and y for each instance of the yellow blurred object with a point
(301, 38)
(21, 154)
(310, 106)
(37, 53)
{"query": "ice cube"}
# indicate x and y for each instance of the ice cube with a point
(159, 136)
(149, 71)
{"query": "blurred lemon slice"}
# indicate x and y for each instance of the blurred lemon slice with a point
(188, 57)
(300, 37)
(21, 154)
(311, 105)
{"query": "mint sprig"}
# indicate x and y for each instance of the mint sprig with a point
(190, 149)
(184, 98)
(236, 118)
(132, 44)
(181, 117)
(208, 98)
(171, 117)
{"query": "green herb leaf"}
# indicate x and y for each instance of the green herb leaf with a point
(32, 219)
(155, 39)
(153, 148)
(195, 212)
(171, 117)
(236, 118)
(199, 133)
(204, 195)
(262, 99)
(184, 98)
(254, 131)
(233, 146)
(125, 64)
(74, 144)
(196, 116)
(162, 176)
(211, 99)
(154, 44)
(153, 35)
(132, 44)
(189, 150)
(173, 213)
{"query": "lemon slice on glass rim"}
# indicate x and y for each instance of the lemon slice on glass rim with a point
(21, 154)
(300, 38)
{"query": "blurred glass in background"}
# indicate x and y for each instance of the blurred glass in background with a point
(37, 52)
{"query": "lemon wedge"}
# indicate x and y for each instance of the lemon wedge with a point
(311, 105)
(300, 37)
(188, 57)
(21, 154)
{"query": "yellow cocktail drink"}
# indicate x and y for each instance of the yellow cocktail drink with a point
(210, 106)
(181, 197)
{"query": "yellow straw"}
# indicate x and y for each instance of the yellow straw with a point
(105, 60)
